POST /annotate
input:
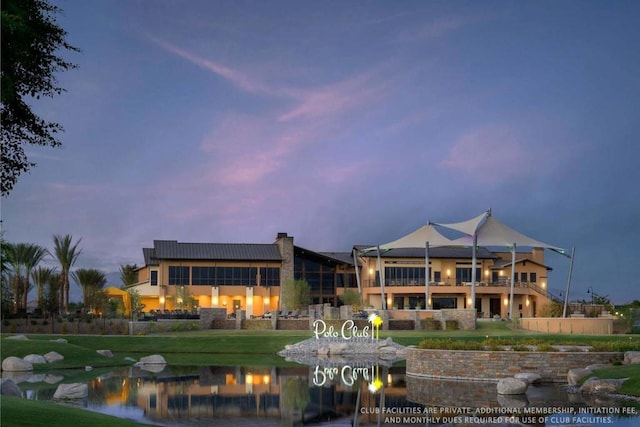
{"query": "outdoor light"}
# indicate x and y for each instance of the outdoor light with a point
(371, 272)
(527, 302)
(161, 300)
(266, 300)
(469, 301)
(506, 301)
(544, 284)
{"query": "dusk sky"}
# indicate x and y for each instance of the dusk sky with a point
(342, 123)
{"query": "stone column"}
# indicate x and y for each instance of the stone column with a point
(285, 245)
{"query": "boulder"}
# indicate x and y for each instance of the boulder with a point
(154, 359)
(575, 375)
(512, 386)
(34, 359)
(88, 368)
(155, 369)
(597, 385)
(71, 391)
(17, 337)
(53, 356)
(529, 377)
(632, 358)
(105, 353)
(15, 364)
(9, 388)
(338, 348)
(61, 341)
(18, 377)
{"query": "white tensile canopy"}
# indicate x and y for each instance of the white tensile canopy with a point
(483, 230)
(492, 232)
(424, 237)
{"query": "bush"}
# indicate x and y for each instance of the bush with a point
(431, 325)
(451, 325)
(449, 344)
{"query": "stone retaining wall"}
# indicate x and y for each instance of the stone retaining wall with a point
(493, 365)
(569, 325)
(466, 318)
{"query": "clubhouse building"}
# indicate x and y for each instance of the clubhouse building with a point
(252, 277)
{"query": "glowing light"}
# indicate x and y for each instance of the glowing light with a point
(506, 301)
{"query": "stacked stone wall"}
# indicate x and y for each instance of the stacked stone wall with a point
(493, 365)
(466, 318)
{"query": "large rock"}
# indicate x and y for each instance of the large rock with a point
(575, 375)
(154, 359)
(597, 385)
(632, 358)
(9, 388)
(105, 353)
(15, 364)
(512, 386)
(35, 359)
(338, 348)
(72, 391)
(53, 356)
(529, 377)
(52, 378)
(17, 337)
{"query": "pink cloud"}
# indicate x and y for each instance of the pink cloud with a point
(490, 154)
(236, 77)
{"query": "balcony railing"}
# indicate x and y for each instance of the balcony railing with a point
(452, 282)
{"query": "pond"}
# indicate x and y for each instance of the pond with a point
(328, 396)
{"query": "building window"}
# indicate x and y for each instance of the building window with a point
(203, 275)
(463, 275)
(178, 275)
(270, 276)
(437, 276)
(532, 277)
(444, 302)
(235, 276)
(154, 278)
(403, 276)
(523, 277)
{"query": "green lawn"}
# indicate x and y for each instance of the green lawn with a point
(18, 412)
(257, 348)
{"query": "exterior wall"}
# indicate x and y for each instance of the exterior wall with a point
(528, 298)
(493, 365)
(571, 325)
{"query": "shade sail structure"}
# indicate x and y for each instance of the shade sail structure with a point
(424, 237)
(417, 239)
(469, 226)
(494, 233)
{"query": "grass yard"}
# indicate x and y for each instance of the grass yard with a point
(18, 412)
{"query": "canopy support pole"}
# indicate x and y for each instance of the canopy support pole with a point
(427, 275)
(355, 263)
(513, 280)
(473, 270)
(566, 294)
(381, 276)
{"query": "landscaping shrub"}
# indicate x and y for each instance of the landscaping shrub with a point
(431, 325)
(449, 344)
(451, 325)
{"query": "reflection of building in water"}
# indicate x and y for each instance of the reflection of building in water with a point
(275, 396)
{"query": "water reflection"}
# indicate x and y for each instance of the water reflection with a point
(318, 395)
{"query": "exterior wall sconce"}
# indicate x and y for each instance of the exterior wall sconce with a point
(506, 301)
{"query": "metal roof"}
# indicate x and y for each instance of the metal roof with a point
(171, 249)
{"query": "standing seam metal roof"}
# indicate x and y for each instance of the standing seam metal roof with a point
(171, 249)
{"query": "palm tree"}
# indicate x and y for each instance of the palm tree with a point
(128, 274)
(42, 277)
(23, 257)
(91, 281)
(67, 255)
